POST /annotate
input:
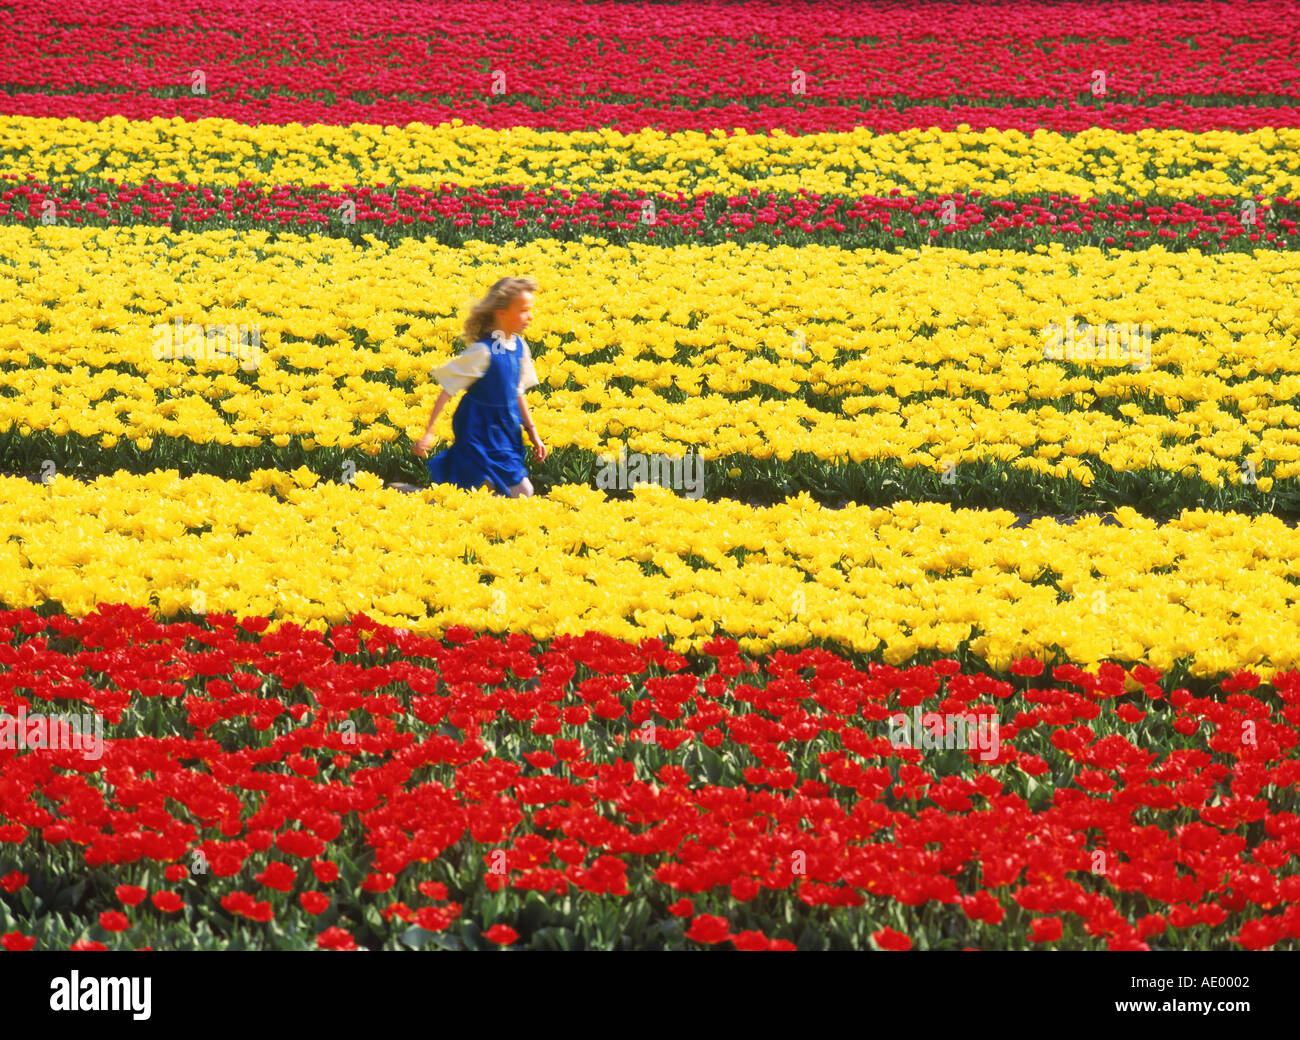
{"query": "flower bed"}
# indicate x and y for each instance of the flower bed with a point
(367, 787)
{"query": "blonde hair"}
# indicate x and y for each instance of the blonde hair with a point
(482, 315)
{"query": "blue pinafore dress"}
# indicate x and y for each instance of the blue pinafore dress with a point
(488, 445)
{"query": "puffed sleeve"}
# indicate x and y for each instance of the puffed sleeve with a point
(464, 369)
(527, 374)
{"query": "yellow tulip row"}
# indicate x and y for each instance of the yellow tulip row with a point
(1173, 163)
(1220, 389)
(1219, 589)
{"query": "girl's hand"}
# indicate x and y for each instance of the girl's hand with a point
(423, 445)
(539, 449)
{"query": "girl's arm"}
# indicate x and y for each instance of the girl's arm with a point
(532, 430)
(426, 441)
(457, 374)
(438, 406)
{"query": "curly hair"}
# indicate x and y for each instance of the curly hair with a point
(482, 315)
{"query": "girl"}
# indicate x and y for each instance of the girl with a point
(497, 369)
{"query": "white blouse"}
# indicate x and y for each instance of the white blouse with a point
(465, 369)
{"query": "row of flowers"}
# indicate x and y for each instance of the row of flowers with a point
(722, 67)
(646, 55)
(217, 152)
(1048, 482)
(263, 787)
(837, 357)
(1210, 590)
(451, 213)
(798, 119)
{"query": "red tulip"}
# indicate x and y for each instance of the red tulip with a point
(888, 939)
(335, 939)
(709, 929)
(314, 902)
(114, 921)
(167, 902)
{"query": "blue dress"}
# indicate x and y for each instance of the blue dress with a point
(489, 444)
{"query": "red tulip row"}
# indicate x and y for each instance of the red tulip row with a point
(485, 775)
(685, 66)
(958, 218)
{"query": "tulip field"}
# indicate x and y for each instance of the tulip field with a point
(979, 323)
